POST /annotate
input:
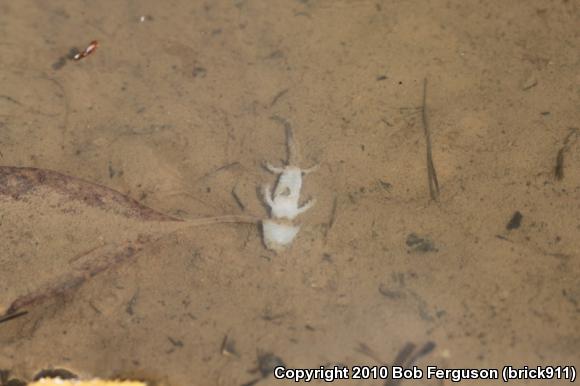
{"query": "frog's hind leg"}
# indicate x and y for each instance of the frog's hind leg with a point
(309, 204)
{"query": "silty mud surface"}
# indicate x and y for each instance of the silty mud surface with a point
(174, 110)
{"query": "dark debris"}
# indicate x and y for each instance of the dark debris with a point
(515, 221)
(420, 244)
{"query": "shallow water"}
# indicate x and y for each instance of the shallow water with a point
(174, 109)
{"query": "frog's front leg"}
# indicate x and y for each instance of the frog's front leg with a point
(310, 169)
(273, 169)
(267, 193)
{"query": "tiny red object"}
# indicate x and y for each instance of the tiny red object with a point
(89, 50)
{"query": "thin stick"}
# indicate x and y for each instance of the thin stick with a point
(278, 96)
(407, 358)
(215, 171)
(431, 173)
(559, 169)
(332, 216)
(400, 360)
(12, 315)
(292, 153)
(237, 199)
(236, 219)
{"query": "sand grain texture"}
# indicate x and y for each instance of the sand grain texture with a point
(174, 109)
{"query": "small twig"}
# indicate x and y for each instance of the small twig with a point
(431, 174)
(12, 315)
(292, 156)
(407, 357)
(369, 352)
(228, 347)
(278, 96)
(559, 169)
(218, 170)
(10, 99)
(238, 200)
(403, 356)
(401, 359)
(333, 213)
(332, 218)
(425, 350)
(175, 342)
(131, 304)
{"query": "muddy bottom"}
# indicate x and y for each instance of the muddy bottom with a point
(464, 258)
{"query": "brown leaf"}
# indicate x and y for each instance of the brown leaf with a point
(57, 231)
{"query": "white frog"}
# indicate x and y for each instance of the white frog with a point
(284, 203)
